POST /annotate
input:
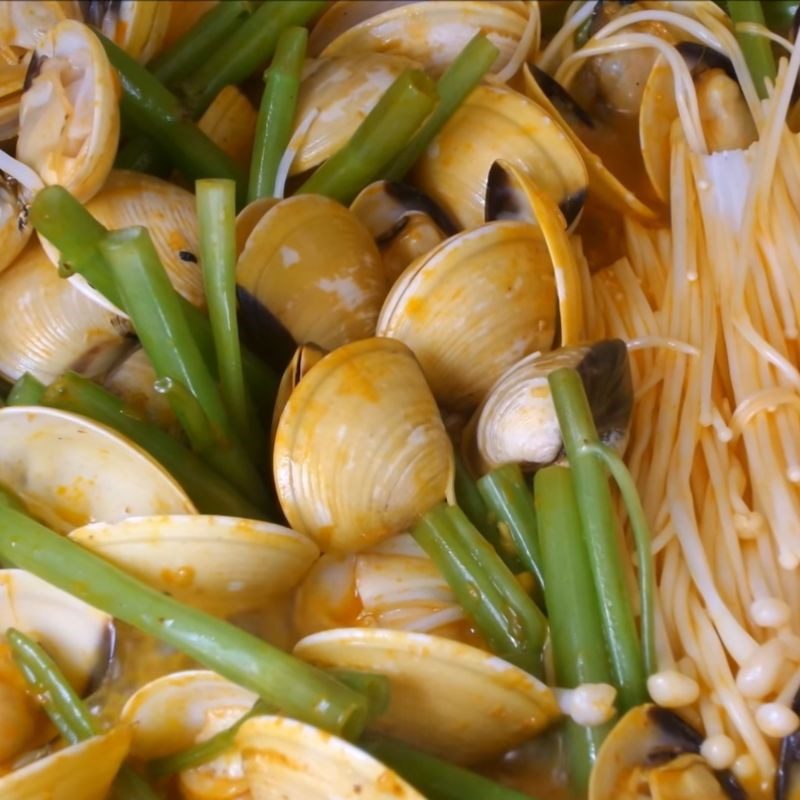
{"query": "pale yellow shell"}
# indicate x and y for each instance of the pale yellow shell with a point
(284, 758)
(137, 27)
(230, 122)
(69, 116)
(314, 267)
(361, 452)
(222, 565)
(473, 306)
(447, 698)
(15, 230)
(48, 327)
(68, 470)
(304, 358)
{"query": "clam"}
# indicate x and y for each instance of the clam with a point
(137, 27)
(303, 359)
(404, 223)
(517, 423)
(24, 25)
(84, 770)
(493, 123)
(222, 565)
(14, 228)
(230, 122)
(343, 90)
(432, 32)
(310, 269)
(603, 184)
(286, 758)
(724, 115)
(68, 470)
(69, 112)
(167, 211)
(48, 327)
(476, 705)
(361, 452)
(133, 380)
(474, 306)
(79, 638)
(392, 585)
(651, 751)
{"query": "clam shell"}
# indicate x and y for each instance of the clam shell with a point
(344, 90)
(137, 27)
(475, 705)
(168, 714)
(14, 228)
(656, 114)
(286, 758)
(222, 565)
(230, 122)
(249, 217)
(313, 267)
(70, 471)
(48, 326)
(79, 638)
(305, 357)
(432, 32)
(24, 25)
(169, 214)
(85, 770)
(493, 123)
(474, 306)
(69, 114)
(361, 451)
(602, 183)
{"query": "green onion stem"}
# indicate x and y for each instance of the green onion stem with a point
(281, 680)
(779, 15)
(576, 632)
(376, 688)
(436, 779)
(642, 539)
(65, 709)
(71, 229)
(460, 78)
(757, 50)
(154, 111)
(138, 153)
(277, 112)
(209, 491)
(600, 531)
(27, 391)
(216, 212)
(377, 140)
(487, 590)
(506, 494)
(200, 42)
(246, 50)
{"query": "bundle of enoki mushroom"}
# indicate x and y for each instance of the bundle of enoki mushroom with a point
(715, 445)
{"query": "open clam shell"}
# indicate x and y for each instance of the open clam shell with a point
(222, 565)
(343, 90)
(79, 638)
(69, 113)
(432, 33)
(138, 28)
(48, 326)
(286, 758)
(473, 306)
(493, 123)
(361, 451)
(70, 471)
(310, 268)
(84, 770)
(517, 423)
(476, 705)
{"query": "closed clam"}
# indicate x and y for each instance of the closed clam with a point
(282, 757)
(476, 705)
(303, 359)
(69, 112)
(361, 452)
(404, 223)
(432, 32)
(230, 122)
(222, 565)
(343, 90)
(48, 326)
(137, 27)
(517, 424)
(493, 123)
(310, 269)
(473, 306)
(68, 470)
